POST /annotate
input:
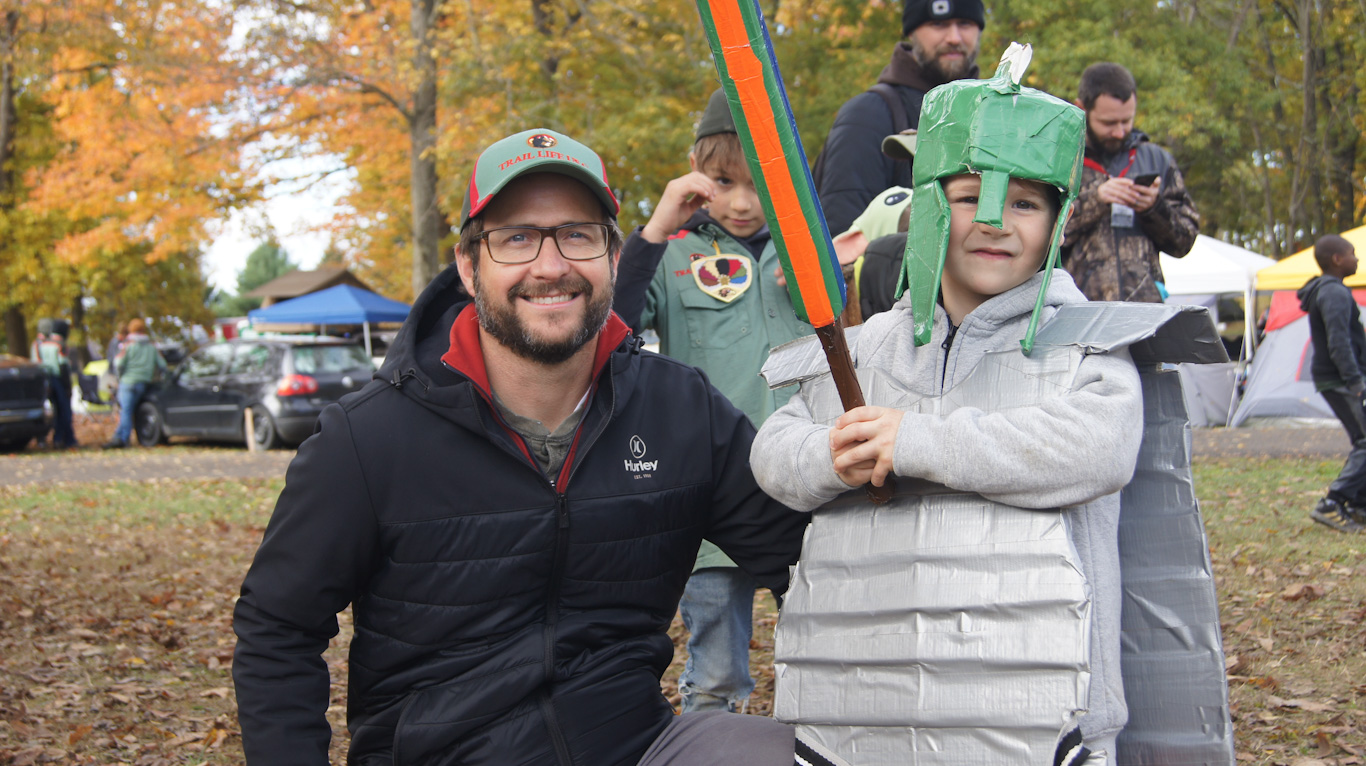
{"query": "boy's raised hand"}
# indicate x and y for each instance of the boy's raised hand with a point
(682, 197)
(862, 443)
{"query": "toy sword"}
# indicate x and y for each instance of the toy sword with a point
(744, 58)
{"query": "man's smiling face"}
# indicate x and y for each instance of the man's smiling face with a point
(549, 308)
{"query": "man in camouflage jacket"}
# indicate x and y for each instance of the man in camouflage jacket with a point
(1133, 202)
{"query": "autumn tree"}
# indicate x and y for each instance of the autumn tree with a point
(1258, 99)
(121, 155)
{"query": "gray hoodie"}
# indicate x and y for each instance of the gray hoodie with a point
(1071, 453)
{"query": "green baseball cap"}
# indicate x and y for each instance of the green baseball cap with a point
(538, 150)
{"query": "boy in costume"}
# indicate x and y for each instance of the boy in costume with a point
(703, 274)
(975, 618)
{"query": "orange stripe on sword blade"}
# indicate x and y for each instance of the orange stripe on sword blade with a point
(747, 71)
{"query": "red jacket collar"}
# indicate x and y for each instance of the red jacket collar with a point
(465, 355)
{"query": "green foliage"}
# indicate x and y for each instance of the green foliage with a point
(268, 261)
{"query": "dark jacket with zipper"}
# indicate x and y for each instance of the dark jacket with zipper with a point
(1339, 359)
(855, 169)
(501, 616)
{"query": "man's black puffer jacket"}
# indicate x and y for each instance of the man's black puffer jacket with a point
(500, 617)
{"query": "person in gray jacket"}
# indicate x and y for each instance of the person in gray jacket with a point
(1066, 450)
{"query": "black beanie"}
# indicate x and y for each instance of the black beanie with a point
(917, 12)
(716, 118)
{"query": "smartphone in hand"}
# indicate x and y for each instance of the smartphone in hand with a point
(1146, 179)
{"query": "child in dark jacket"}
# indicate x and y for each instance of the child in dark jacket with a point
(1339, 371)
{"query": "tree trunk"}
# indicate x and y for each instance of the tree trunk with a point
(16, 327)
(9, 28)
(16, 330)
(78, 342)
(1307, 163)
(427, 218)
(1341, 142)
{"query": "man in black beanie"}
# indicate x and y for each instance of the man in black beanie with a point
(941, 43)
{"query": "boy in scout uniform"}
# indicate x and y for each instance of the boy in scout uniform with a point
(703, 273)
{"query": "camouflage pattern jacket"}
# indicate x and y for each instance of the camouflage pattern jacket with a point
(1111, 251)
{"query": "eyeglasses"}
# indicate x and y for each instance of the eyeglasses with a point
(521, 244)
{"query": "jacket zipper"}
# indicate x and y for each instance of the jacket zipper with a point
(552, 620)
(946, 346)
(552, 614)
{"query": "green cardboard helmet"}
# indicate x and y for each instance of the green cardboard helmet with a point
(998, 130)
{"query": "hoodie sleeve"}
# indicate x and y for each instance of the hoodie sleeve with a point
(639, 261)
(1064, 452)
(791, 457)
(1172, 223)
(1335, 309)
(317, 551)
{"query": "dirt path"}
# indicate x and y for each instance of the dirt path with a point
(1325, 442)
(140, 464)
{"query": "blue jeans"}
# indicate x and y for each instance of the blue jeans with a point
(129, 396)
(718, 610)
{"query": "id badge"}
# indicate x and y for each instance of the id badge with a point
(1121, 216)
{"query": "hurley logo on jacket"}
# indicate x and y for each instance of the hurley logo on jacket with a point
(641, 468)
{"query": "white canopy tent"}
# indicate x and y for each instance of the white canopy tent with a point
(1214, 267)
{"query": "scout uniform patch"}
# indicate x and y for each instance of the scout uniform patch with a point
(722, 276)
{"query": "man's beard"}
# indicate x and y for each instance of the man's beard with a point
(1105, 146)
(938, 73)
(504, 325)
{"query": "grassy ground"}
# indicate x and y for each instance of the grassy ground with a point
(116, 641)
(1292, 598)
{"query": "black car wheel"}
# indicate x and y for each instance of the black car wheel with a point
(15, 445)
(264, 429)
(147, 425)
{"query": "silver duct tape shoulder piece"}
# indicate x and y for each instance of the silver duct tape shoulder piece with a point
(800, 360)
(1172, 654)
(1154, 333)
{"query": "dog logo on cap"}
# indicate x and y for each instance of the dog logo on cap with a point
(541, 141)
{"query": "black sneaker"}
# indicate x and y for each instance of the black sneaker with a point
(1335, 515)
(114, 444)
(1357, 513)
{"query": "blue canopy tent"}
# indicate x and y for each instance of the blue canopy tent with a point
(343, 304)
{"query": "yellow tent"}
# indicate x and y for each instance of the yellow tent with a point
(1291, 273)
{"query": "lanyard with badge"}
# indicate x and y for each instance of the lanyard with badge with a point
(1121, 216)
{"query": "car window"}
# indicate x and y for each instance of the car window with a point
(251, 359)
(208, 361)
(310, 360)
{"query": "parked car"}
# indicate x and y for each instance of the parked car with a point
(25, 413)
(284, 382)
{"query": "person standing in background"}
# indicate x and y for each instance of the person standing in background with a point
(49, 350)
(1133, 202)
(137, 364)
(1339, 371)
(941, 42)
